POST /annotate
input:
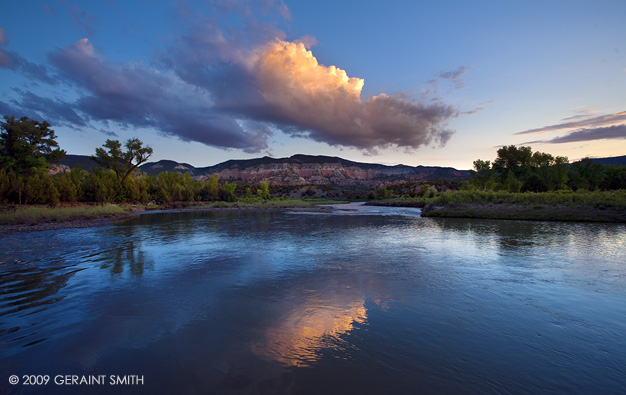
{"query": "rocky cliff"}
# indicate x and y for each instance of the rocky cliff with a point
(305, 169)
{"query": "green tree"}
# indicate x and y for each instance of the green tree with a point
(26, 145)
(5, 185)
(100, 186)
(68, 189)
(513, 160)
(482, 175)
(123, 163)
(210, 190)
(614, 177)
(560, 170)
(26, 148)
(265, 190)
(227, 192)
(39, 188)
(586, 174)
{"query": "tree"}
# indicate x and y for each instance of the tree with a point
(559, 171)
(210, 189)
(512, 159)
(227, 192)
(26, 144)
(482, 175)
(265, 190)
(122, 163)
(586, 174)
(27, 147)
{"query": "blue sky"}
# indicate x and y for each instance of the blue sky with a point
(414, 82)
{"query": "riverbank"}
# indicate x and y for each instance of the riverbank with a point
(537, 212)
(38, 218)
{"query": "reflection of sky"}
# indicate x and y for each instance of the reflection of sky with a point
(318, 272)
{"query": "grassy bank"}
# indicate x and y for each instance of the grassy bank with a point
(609, 206)
(597, 199)
(30, 215)
(29, 218)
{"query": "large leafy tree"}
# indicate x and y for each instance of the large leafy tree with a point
(123, 163)
(513, 160)
(27, 149)
(482, 175)
(27, 145)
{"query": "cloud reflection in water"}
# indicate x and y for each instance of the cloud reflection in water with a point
(318, 323)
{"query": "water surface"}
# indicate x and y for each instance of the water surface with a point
(354, 300)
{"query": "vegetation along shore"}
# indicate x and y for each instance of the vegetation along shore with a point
(36, 193)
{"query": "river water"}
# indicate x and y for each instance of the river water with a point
(352, 300)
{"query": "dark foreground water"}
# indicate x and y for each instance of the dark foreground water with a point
(371, 301)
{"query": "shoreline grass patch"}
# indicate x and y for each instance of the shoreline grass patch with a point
(41, 214)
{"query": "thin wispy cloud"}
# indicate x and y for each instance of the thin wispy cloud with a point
(455, 76)
(583, 127)
(617, 132)
(593, 122)
(13, 61)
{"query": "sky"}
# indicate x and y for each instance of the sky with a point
(401, 82)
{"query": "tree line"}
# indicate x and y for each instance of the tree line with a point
(29, 151)
(518, 169)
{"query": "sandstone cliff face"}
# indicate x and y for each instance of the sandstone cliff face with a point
(306, 170)
(332, 174)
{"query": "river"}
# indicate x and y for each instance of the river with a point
(355, 299)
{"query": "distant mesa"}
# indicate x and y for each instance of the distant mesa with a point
(305, 170)
(308, 169)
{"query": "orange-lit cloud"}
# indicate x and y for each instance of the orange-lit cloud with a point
(230, 87)
(326, 103)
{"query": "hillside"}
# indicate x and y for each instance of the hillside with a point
(616, 160)
(306, 169)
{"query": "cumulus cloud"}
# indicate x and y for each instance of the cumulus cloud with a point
(231, 87)
(327, 103)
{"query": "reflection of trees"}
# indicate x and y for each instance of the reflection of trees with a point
(510, 235)
(31, 287)
(130, 253)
